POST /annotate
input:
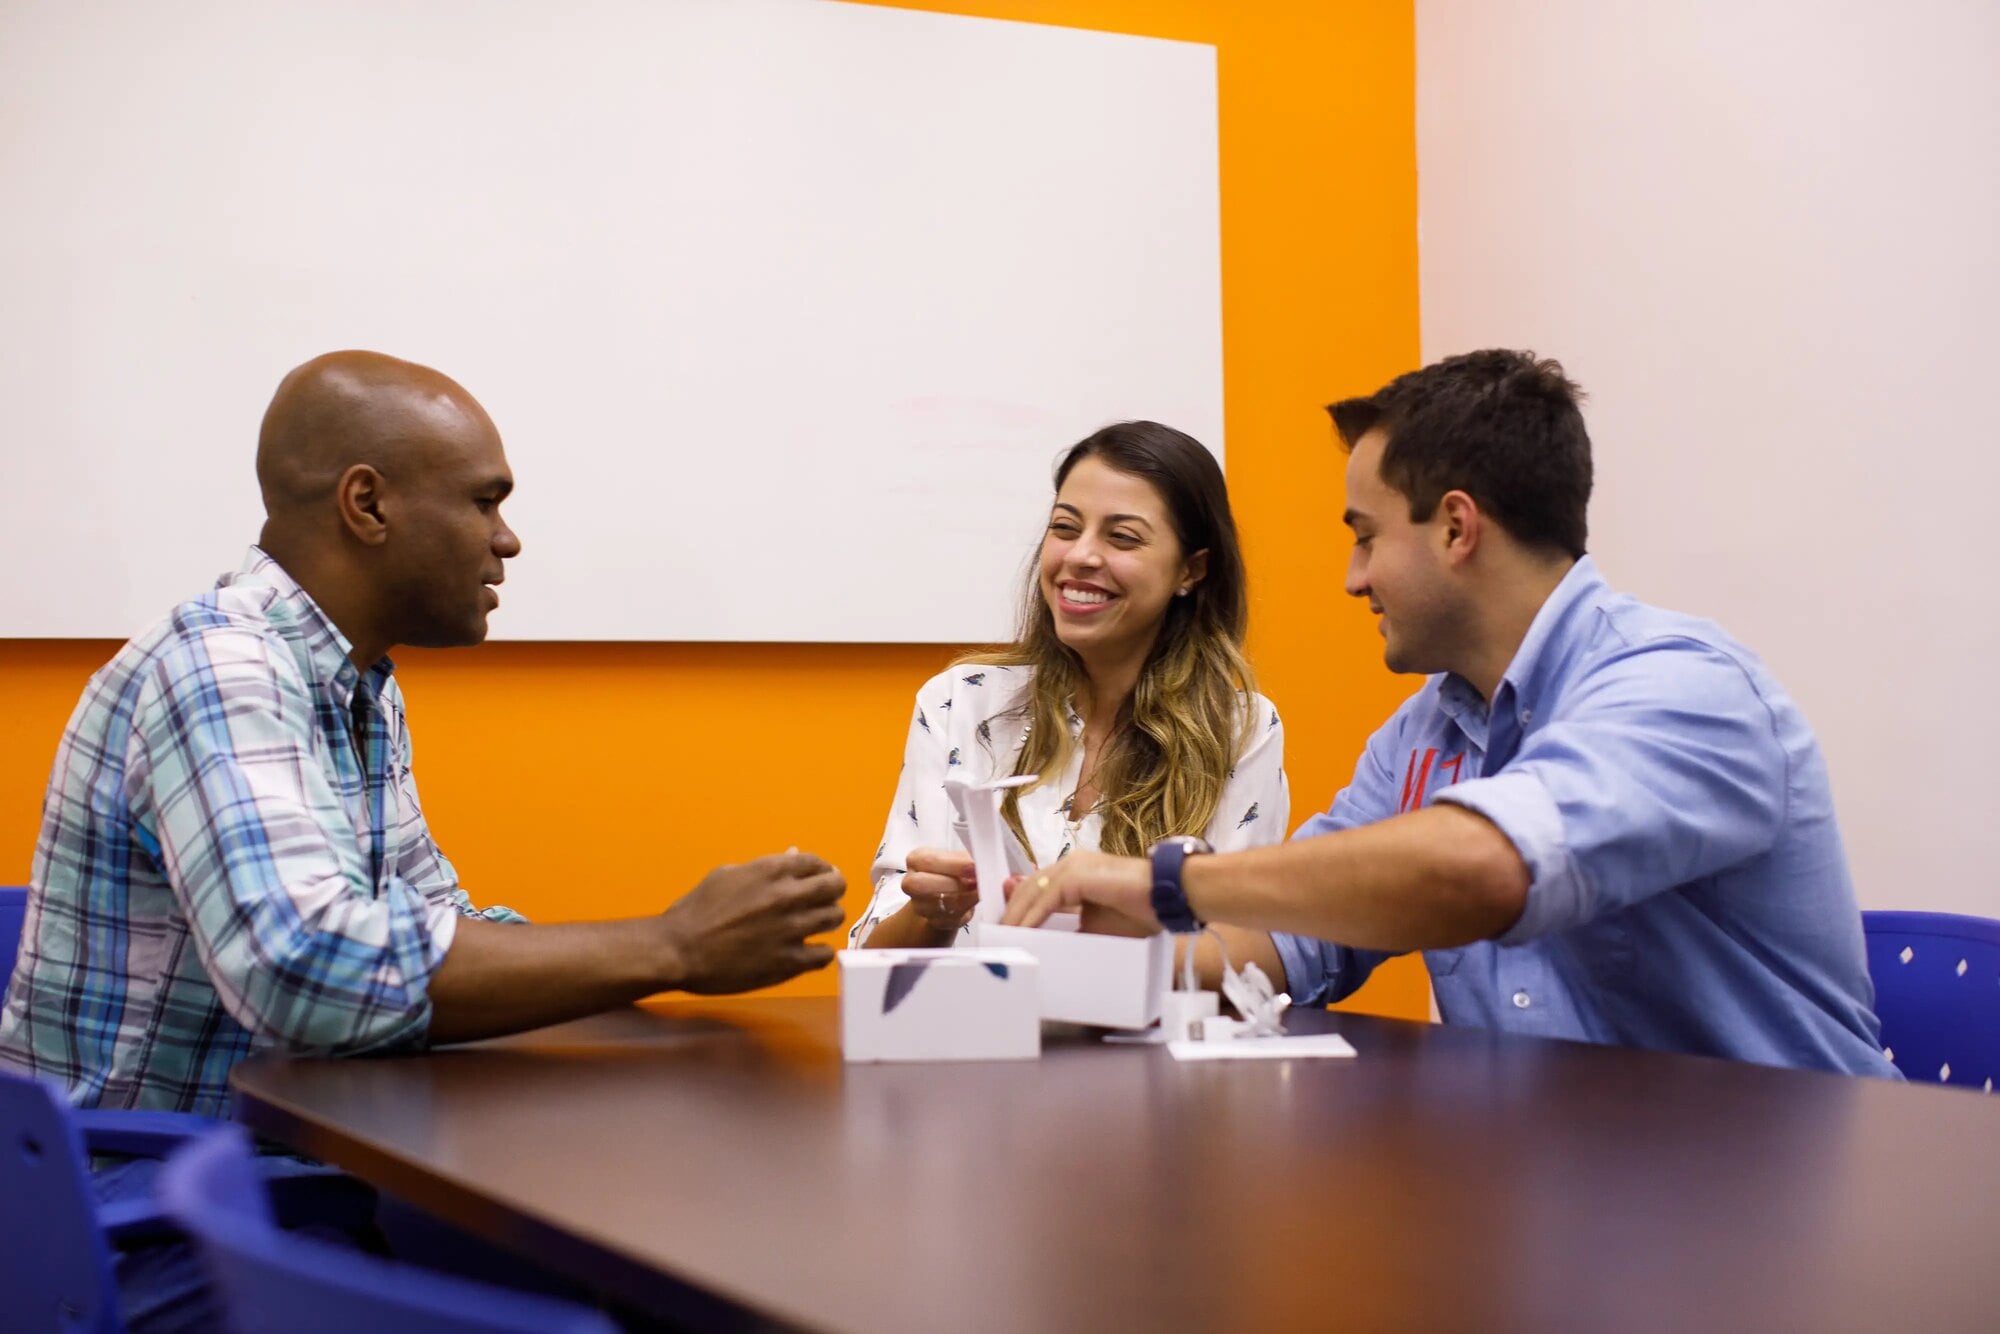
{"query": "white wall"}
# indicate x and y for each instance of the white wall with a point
(784, 309)
(1766, 238)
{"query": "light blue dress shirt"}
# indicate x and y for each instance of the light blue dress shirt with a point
(1688, 887)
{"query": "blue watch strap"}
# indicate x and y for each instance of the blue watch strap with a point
(1170, 900)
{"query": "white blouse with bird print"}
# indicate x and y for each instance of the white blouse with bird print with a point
(966, 723)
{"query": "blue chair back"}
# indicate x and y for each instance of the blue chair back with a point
(13, 914)
(268, 1279)
(55, 1265)
(1937, 992)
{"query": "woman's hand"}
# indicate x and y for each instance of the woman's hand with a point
(941, 887)
(1114, 894)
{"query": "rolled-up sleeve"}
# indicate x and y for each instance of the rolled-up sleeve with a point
(419, 859)
(1665, 767)
(303, 948)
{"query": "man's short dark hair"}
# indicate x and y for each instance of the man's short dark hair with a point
(1501, 426)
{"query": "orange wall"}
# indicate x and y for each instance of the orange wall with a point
(594, 780)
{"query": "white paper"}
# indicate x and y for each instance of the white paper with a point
(1264, 1049)
(978, 807)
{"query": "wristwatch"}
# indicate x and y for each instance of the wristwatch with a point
(1170, 900)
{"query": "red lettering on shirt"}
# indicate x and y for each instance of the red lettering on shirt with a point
(1417, 776)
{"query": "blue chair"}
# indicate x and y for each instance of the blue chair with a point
(1937, 992)
(269, 1280)
(57, 1243)
(13, 913)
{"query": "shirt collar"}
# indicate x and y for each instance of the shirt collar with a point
(299, 619)
(1543, 654)
(1540, 659)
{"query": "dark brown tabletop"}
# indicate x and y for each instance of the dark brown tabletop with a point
(718, 1162)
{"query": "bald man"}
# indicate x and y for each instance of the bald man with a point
(232, 855)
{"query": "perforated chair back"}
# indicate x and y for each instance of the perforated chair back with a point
(13, 915)
(55, 1264)
(273, 1280)
(1937, 992)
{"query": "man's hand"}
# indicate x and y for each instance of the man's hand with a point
(745, 927)
(942, 887)
(1114, 894)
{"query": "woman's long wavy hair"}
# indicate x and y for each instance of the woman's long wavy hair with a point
(1162, 769)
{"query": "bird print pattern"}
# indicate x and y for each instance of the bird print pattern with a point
(970, 723)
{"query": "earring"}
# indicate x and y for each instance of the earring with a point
(1183, 592)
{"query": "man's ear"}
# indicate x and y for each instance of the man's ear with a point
(358, 496)
(1463, 525)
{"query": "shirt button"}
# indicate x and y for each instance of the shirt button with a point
(1521, 1001)
(1527, 715)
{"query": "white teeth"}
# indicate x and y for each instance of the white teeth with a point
(1081, 597)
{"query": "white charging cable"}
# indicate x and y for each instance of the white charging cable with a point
(1191, 1013)
(1257, 1001)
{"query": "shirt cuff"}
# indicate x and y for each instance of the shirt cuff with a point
(1307, 978)
(1521, 808)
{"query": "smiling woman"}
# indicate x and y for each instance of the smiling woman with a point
(1125, 695)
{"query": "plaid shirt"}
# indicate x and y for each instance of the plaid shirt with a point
(231, 858)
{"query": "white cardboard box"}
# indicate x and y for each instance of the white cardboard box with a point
(1107, 981)
(964, 1004)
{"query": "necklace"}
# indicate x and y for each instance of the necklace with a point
(1086, 778)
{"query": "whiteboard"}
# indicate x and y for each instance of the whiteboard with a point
(784, 308)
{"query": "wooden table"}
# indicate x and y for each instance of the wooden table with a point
(718, 1163)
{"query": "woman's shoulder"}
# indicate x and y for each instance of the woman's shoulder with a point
(980, 689)
(1258, 711)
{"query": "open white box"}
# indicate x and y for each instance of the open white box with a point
(966, 1004)
(1107, 981)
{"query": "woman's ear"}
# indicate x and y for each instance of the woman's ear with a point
(1193, 571)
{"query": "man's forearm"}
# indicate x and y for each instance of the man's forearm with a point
(498, 979)
(1432, 879)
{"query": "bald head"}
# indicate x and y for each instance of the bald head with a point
(348, 408)
(382, 486)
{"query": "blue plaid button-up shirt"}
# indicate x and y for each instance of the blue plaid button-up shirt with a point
(232, 857)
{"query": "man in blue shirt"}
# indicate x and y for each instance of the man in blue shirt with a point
(1598, 820)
